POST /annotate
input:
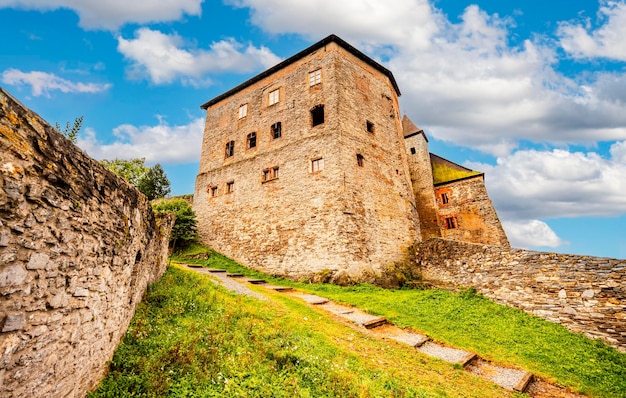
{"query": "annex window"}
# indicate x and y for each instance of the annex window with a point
(359, 160)
(369, 126)
(230, 149)
(230, 187)
(251, 140)
(243, 111)
(317, 115)
(445, 199)
(270, 174)
(274, 96)
(212, 190)
(277, 130)
(317, 165)
(412, 150)
(315, 77)
(451, 223)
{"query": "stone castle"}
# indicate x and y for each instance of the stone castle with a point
(308, 168)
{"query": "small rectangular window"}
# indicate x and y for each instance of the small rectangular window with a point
(230, 149)
(274, 96)
(412, 151)
(451, 223)
(277, 130)
(270, 174)
(251, 140)
(230, 186)
(369, 126)
(317, 165)
(317, 115)
(445, 199)
(212, 190)
(359, 160)
(315, 77)
(243, 111)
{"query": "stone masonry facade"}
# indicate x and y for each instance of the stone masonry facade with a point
(308, 169)
(78, 247)
(586, 294)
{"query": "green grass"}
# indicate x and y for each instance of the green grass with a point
(191, 338)
(495, 332)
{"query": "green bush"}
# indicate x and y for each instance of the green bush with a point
(185, 230)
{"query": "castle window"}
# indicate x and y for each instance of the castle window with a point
(359, 160)
(270, 174)
(317, 115)
(369, 126)
(230, 149)
(274, 96)
(445, 199)
(317, 165)
(251, 140)
(230, 187)
(412, 150)
(315, 77)
(213, 191)
(243, 111)
(451, 223)
(277, 130)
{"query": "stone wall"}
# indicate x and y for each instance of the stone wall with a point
(78, 247)
(585, 294)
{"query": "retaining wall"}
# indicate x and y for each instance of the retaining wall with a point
(78, 247)
(586, 294)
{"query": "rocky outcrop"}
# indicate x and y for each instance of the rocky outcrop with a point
(78, 247)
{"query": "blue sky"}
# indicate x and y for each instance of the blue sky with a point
(533, 93)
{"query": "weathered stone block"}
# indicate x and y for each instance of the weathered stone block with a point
(13, 322)
(38, 261)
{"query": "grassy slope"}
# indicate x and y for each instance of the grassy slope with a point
(496, 332)
(192, 338)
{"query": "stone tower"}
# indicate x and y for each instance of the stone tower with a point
(304, 168)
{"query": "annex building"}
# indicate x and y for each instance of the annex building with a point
(308, 168)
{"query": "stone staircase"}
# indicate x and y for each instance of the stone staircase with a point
(508, 378)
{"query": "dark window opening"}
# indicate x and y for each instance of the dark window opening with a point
(251, 140)
(451, 223)
(277, 130)
(445, 199)
(230, 186)
(370, 126)
(317, 115)
(214, 191)
(359, 160)
(230, 149)
(412, 151)
(270, 174)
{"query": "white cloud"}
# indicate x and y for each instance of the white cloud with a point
(111, 14)
(157, 144)
(465, 82)
(162, 59)
(607, 41)
(43, 83)
(531, 233)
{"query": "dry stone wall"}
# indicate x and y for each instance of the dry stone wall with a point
(586, 294)
(78, 247)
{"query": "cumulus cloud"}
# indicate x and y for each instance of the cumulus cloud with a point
(162, 58)
(42, 83)
(161, 143)
(531, 233)
(111, 14)
(464, 82)
(607, 41)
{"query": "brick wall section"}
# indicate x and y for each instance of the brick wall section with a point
(346, 219)
(585, 294)
(78, 247)
(476, 218)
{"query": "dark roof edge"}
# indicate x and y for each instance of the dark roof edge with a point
(417, 133)
(302, 54)
(482, 175)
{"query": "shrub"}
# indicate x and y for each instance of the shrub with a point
(185, 230)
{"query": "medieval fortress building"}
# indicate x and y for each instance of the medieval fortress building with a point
(309, 168)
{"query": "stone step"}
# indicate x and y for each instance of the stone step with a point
(312, 299)
(448, 354)
(256, 281)
(216, 270)
(234, 275)
(279, 288)
(510, 379)
(401, 336)
(194, 265)
(374, 323)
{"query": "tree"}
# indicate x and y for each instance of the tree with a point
(71, 133)
(130, 170)
(184, 230)
(154, 183)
